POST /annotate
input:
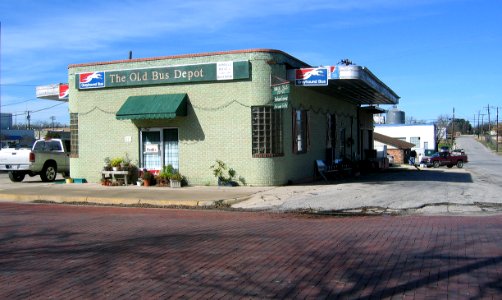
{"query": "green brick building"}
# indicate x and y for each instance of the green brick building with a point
(266, 114)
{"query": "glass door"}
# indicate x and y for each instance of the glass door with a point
(159, 148)
(151, 149)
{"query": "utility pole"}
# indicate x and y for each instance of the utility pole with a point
(479, 112)
(52, 119)
(474, 122)
(489, 128)
(497, 130)
(28, 117)
(452, 127)
(482, 122)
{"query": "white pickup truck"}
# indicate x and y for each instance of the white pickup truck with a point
(46, 158)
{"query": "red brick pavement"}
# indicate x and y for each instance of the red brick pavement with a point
(67, 252)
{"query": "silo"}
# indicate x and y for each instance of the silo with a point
(395, 116)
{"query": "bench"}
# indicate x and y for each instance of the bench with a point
(340, 168)
(113, 174)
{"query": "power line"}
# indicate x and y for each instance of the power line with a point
(39, 110)
(19, 102)
(14, 84)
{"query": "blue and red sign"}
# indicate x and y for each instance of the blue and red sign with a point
(92, 80)
(311, 76)
(63, 91)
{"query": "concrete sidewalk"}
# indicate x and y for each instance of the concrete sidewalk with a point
(29, 191)
(399, 190)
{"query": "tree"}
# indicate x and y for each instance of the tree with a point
(442, 124)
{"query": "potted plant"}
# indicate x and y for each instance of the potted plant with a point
(147, 178)
(165, 175)
(116, 162)
(175, 180)
(107, 164)
(224, 174)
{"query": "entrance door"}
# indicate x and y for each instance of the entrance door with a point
(159, 148)
(151, 149)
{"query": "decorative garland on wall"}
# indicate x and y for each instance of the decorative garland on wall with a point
(226, 105)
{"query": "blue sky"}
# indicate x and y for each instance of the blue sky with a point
(435, 54)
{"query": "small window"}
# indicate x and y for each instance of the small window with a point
(415, 141)
(301, 140)
(74, 134)
(266, 131)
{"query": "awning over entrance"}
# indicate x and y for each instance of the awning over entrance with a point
(167, 106)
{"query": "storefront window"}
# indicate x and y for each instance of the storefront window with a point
(171, 149)
(267, 131)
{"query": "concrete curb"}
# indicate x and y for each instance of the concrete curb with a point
(105, 200)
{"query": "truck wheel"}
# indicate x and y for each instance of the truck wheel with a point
(49, 173)
(16, 176)
(460, 164)
(436, 164)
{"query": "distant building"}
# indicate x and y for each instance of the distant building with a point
(422, 136)
(17, 138)
(6, 121)
(395, 147)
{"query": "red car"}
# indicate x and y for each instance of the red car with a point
(448, 159)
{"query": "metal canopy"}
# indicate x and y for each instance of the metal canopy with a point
(358, 85)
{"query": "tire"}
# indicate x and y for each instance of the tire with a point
(435, 164)
(460, 164)
(16, 176)
(450, 166)
(49, 173)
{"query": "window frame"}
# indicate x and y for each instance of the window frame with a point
(74, 152)
(301, 131)
(266, 132)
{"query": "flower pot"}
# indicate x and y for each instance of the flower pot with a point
(69, 180)
(139, 183)
(146, 182)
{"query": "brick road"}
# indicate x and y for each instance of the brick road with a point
(84, 252)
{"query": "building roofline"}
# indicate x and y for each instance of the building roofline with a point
(262, 50)
(392, 141)
(403, 125)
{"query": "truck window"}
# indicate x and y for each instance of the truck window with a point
(54, 146)
(39, 146)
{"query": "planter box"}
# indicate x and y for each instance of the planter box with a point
(175, 183)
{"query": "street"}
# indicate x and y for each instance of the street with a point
(68, 252)
(443, 242)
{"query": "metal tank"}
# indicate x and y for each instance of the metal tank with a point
(395, 116)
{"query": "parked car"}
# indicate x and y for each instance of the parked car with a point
(448, 159)
(46, 158)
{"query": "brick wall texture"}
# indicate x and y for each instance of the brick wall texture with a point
(217, 125)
